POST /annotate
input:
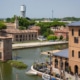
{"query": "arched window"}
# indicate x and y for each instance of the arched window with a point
(76, 69)
(56, 63)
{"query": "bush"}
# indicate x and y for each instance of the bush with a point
(17, 64)
(52, 37)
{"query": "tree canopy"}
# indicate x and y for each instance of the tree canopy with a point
(45, 26)
(23, 22)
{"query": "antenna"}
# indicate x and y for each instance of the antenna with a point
(52, 14)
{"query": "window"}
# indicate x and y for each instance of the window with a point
(75, 39)
(0, 55)
(16, 36)
(32, 35)
(72, 32)
(79, 54)
(20, 36)
(72, 53)
(79, 33)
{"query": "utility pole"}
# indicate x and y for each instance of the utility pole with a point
(52, 14)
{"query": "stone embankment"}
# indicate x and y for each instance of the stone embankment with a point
(36, 44)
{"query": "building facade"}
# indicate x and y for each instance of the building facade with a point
(21, 35)
(5, 48)
(70, 59)
(74, 47)
(60, 60)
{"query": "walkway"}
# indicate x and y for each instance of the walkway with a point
(66, 75)
(51, 51)
(36, 44)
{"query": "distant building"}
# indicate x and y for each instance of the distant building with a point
(64, 32)
(37, 28)
(5, 48)
(20, 35)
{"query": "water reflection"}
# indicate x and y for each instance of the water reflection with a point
(6, 72)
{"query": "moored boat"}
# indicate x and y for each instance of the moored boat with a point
(47, 77)
(31, 72)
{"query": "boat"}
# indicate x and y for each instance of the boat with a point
(47, 77)
(31, 72)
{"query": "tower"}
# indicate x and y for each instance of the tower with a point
(23, 11)
(16, 23)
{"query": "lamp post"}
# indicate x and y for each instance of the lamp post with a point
(50, 64)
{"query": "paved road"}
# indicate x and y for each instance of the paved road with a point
(35, 44)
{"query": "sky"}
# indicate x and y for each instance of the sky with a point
(40, 8)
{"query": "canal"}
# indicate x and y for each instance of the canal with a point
(28, 56)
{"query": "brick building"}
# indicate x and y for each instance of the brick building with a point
(20, 35)
(5, 48)
(70, 58)
(37, 28)
(61, 31)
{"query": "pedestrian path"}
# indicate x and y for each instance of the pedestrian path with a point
(67, 75)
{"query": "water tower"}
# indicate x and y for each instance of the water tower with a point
(23, 11)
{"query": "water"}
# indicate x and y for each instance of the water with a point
(28, 56)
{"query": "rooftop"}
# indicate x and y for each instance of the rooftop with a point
(18, 31)
(34, 27)
(62, 53)
(77, 23)
(10, 25)
(4, 37)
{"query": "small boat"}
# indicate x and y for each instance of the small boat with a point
(31, 72)
(47, 77)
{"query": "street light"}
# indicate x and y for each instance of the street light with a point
(50, 64)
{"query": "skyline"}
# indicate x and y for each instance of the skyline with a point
(40, 8)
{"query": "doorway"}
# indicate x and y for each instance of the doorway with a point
(76, 69)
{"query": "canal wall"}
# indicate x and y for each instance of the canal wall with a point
(36, 44)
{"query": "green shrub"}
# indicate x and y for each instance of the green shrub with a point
(17, 64)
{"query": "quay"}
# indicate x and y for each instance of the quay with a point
(36, 44)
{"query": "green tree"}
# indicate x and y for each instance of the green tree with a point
(46, 25)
